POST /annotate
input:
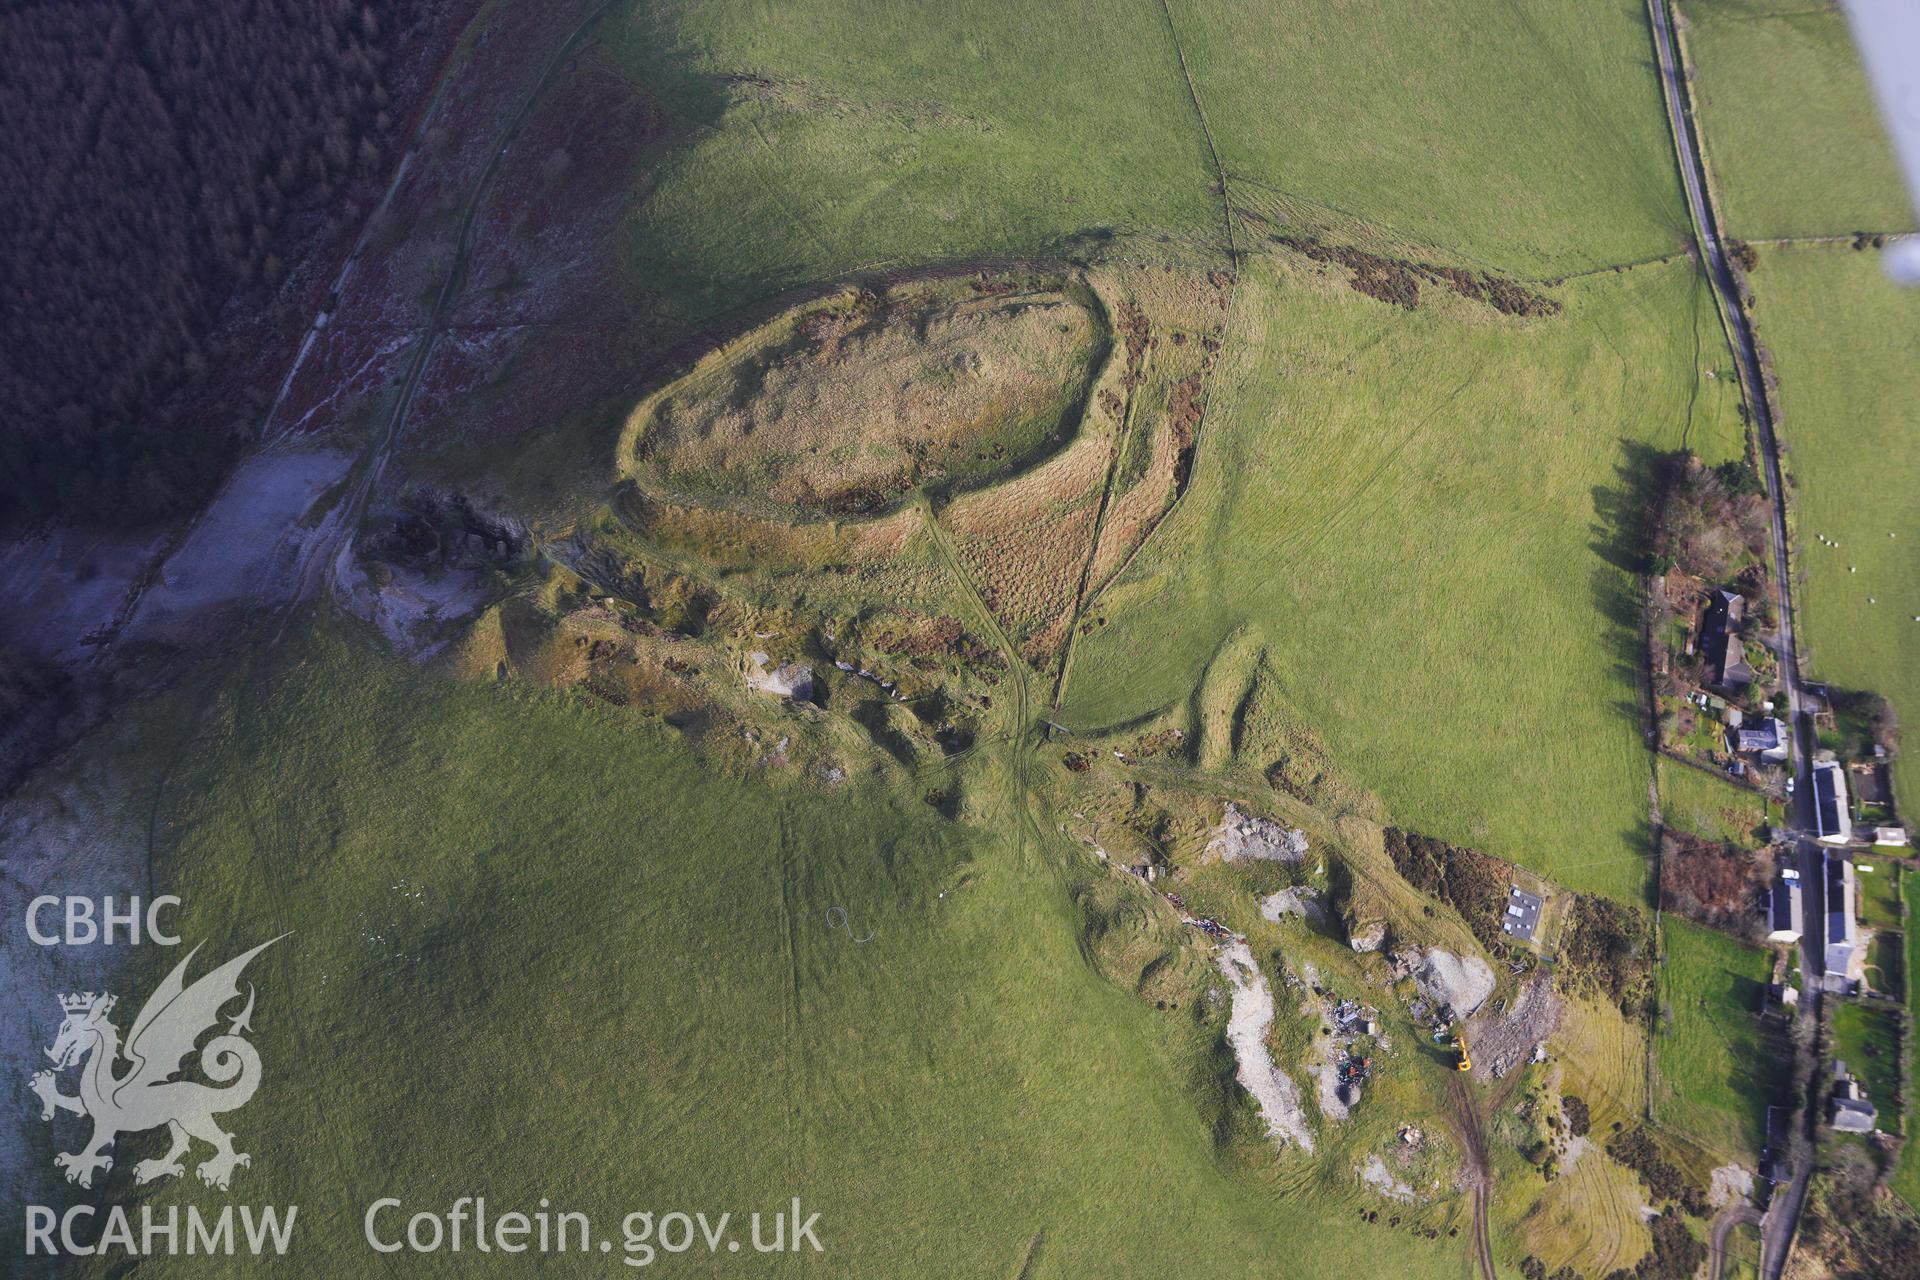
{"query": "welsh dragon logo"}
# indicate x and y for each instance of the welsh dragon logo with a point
(145, 1095)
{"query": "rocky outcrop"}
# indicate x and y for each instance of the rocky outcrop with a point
(1518, 1032)
(1376, 1175)
(788, 680)
(1301, 901)
(1248, 1022)
(1368, 937)
(1246, 835)
(1447, 979)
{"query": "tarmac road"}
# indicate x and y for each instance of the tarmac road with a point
(1783, 1216)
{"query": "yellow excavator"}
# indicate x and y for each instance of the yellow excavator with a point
(1465, 1063)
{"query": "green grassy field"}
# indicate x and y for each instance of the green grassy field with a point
(1792, 133)
(832, 136)
(1589, 181)
(1867, 1038)
(1701, 804)
(1715, 1068)
(1886, 957)
(1421, 515)
(527, 922)
(541, 948)
(815, 141)
(1841, 337)
(1877, 897)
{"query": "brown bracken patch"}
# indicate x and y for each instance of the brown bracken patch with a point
(1183, 419)
(1134, 327)
(1397, 280)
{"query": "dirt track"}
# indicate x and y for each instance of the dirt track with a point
(1728, 1218)
(1505, 1041)
(1465, 1109)
(321, 553)
(1031, 835)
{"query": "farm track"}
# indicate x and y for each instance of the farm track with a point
(321, 553)
(340, 280)
(1020, 742)
(1728, 1218)
(1085, 587)
(1608, 1221)
(335, 525)
(268, 439)
(1777, 1233)
(1468, 1123)
(137, 592)
(1089, 591)
(1206, 132)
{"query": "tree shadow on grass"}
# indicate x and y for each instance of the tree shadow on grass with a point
(1761, 1076)
(1621, 538)
(1642, 835)
(1622, 530)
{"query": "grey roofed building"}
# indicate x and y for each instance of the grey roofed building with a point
(1830, 816)
(1871, 782)
(1766, 738)
(1786, 908)
(1850, 1110)
(1727, 665)
(1841, 935)
(1735, 672)
(1522, 915)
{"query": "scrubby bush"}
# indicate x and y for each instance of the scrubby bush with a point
(1859, 1229)
(1676, 1253)
(1712, 884)
(1470, 882)
(1608, 950)
(1579, 1117)
(1636, 1149)
(1739, 477)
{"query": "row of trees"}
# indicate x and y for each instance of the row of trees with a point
(163, 167)
(1707, 520)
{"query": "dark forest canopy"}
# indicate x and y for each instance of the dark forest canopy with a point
(166, 164)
